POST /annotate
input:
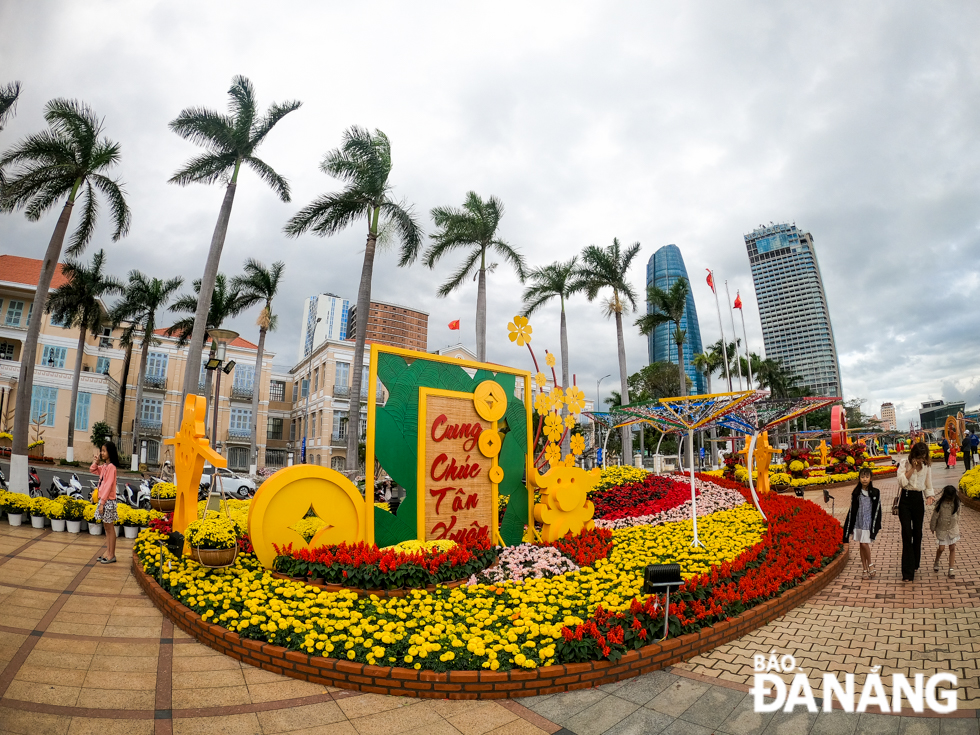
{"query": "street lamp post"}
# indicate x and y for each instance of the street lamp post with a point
(595, 436)
(306, 419)
(221, 339)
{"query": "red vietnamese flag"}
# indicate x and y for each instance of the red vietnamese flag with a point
(454, 324)
(738, 301)
(711, 281)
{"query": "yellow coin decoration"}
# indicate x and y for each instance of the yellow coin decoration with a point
(496, 474)
(490, 400)
(490, 443)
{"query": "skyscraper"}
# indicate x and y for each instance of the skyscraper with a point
(331, 310)
(664, 267)
(793, 308)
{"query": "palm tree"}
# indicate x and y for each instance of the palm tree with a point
(555, 280)
(780, 380)
(8, 101)
(66, 161)
(230, 141)
(474, 226)
(668, 308)
(604, 268)
(78, 303)
(142, 299)
(364, 162)
(707, 363)
(256, 285)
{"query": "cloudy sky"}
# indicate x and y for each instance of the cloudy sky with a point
(655, 123)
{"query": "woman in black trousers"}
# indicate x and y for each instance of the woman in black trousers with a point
(915, 486)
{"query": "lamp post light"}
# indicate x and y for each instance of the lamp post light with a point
(595, 436)
(306, 389)
(221, 339)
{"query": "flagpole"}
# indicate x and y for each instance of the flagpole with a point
(738, 359)
(724, 347)
(745, 336)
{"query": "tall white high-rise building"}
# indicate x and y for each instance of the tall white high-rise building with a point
(331, 311)
(793, 308)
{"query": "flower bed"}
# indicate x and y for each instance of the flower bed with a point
(654, 494)
(710, 499)
(970, 483)
(619, 475)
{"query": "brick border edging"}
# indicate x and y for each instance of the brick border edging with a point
(479, 684)
(972, 503)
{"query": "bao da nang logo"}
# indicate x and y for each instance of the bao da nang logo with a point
(938, 692)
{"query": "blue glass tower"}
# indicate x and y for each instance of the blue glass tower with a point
(664, 267)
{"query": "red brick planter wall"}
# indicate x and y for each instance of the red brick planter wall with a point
(479, 684)
(969, 502)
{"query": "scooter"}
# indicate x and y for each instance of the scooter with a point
(58, 488)
(3, 481)
(137, 498)
(33, 483)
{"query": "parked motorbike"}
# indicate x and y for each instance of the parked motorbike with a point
(72, 488)
(33, 483)
(137, 497)
(3, 481)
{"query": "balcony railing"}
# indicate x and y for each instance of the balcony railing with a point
(338, 440)
(239, 435)
(105, 343)
(155, 382)
(150, 428)
(341, 391)
(241, 393)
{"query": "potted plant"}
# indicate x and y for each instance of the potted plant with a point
(16, 505)
(94, 527)
(74, 512)
(133, 520)
(163, 497)
(36, 509)
(213, 541)
(55, 511)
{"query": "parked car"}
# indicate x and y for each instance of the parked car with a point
(234, 485)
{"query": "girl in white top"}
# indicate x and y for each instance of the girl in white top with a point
(915, 483)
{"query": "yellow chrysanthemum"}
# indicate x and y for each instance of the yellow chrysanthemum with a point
(575, 399)
(519, 331)
(553, 427)
(553, 454)
(570, 421)
(541, 380)
(557, 398)
(549, 359)
(578, 444)
(542, 403)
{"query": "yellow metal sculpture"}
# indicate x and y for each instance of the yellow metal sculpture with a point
(824, 452)
(565, 506)
(761, 457)
(289, 495)
(191, 449)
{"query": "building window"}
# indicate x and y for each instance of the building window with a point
(238, 458)
(337, 463)
(152, 451)
(151, 411)
(240, 421)
(295, 391)
(6, 350)
(316, 380)
(56, 323)
(44, 403)
(292, 431)
(15, 310)
(313, 431)
(343, 374)
(102, 366)
(339, 424)
(156, 365)
(82, 404)
(54, 356)
(275, 458)
(274, 429)
(244, 377)
(277, 391)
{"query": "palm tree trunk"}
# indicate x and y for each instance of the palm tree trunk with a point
(122, 388)
(70, 453)
(193, 367)
(680, 366)
(624, 392)
(363, 304)
(481, 310)
(139, 395)
(566, 442)
(28, 355)
(256, 384)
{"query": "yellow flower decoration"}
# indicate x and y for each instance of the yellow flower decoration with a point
(553, 454)
(575, 399)
(542, 403)
(541, 380)
(578, 444)
(569, 460)
(557, 398)
(553, 427)
(519, 331)
(570, 421)
(549, 359)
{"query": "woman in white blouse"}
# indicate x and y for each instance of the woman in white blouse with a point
(915, 485)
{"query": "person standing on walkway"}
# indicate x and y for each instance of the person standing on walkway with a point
(915, 483)
(967, 448)
(945, 523)
(105, 465)
(975, 443)
(864, 518)
(944, 445)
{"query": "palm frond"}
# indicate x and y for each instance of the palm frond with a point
(8, 101)
(206, 168)
(86, 226)
(459, 277)
(114, 193)
(328, 214)
(406, 227)
(275, 113)
(206, 128)
(278, 184)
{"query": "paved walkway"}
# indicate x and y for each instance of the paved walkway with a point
(82, 650)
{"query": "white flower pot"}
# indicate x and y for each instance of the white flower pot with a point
(74, 526)
(95, 529)
(58, 524)
(131, 531)
(38, 521)
(15, 519)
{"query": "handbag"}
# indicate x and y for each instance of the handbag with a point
(896, 501)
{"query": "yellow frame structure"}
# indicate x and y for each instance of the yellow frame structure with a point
(369, 457)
